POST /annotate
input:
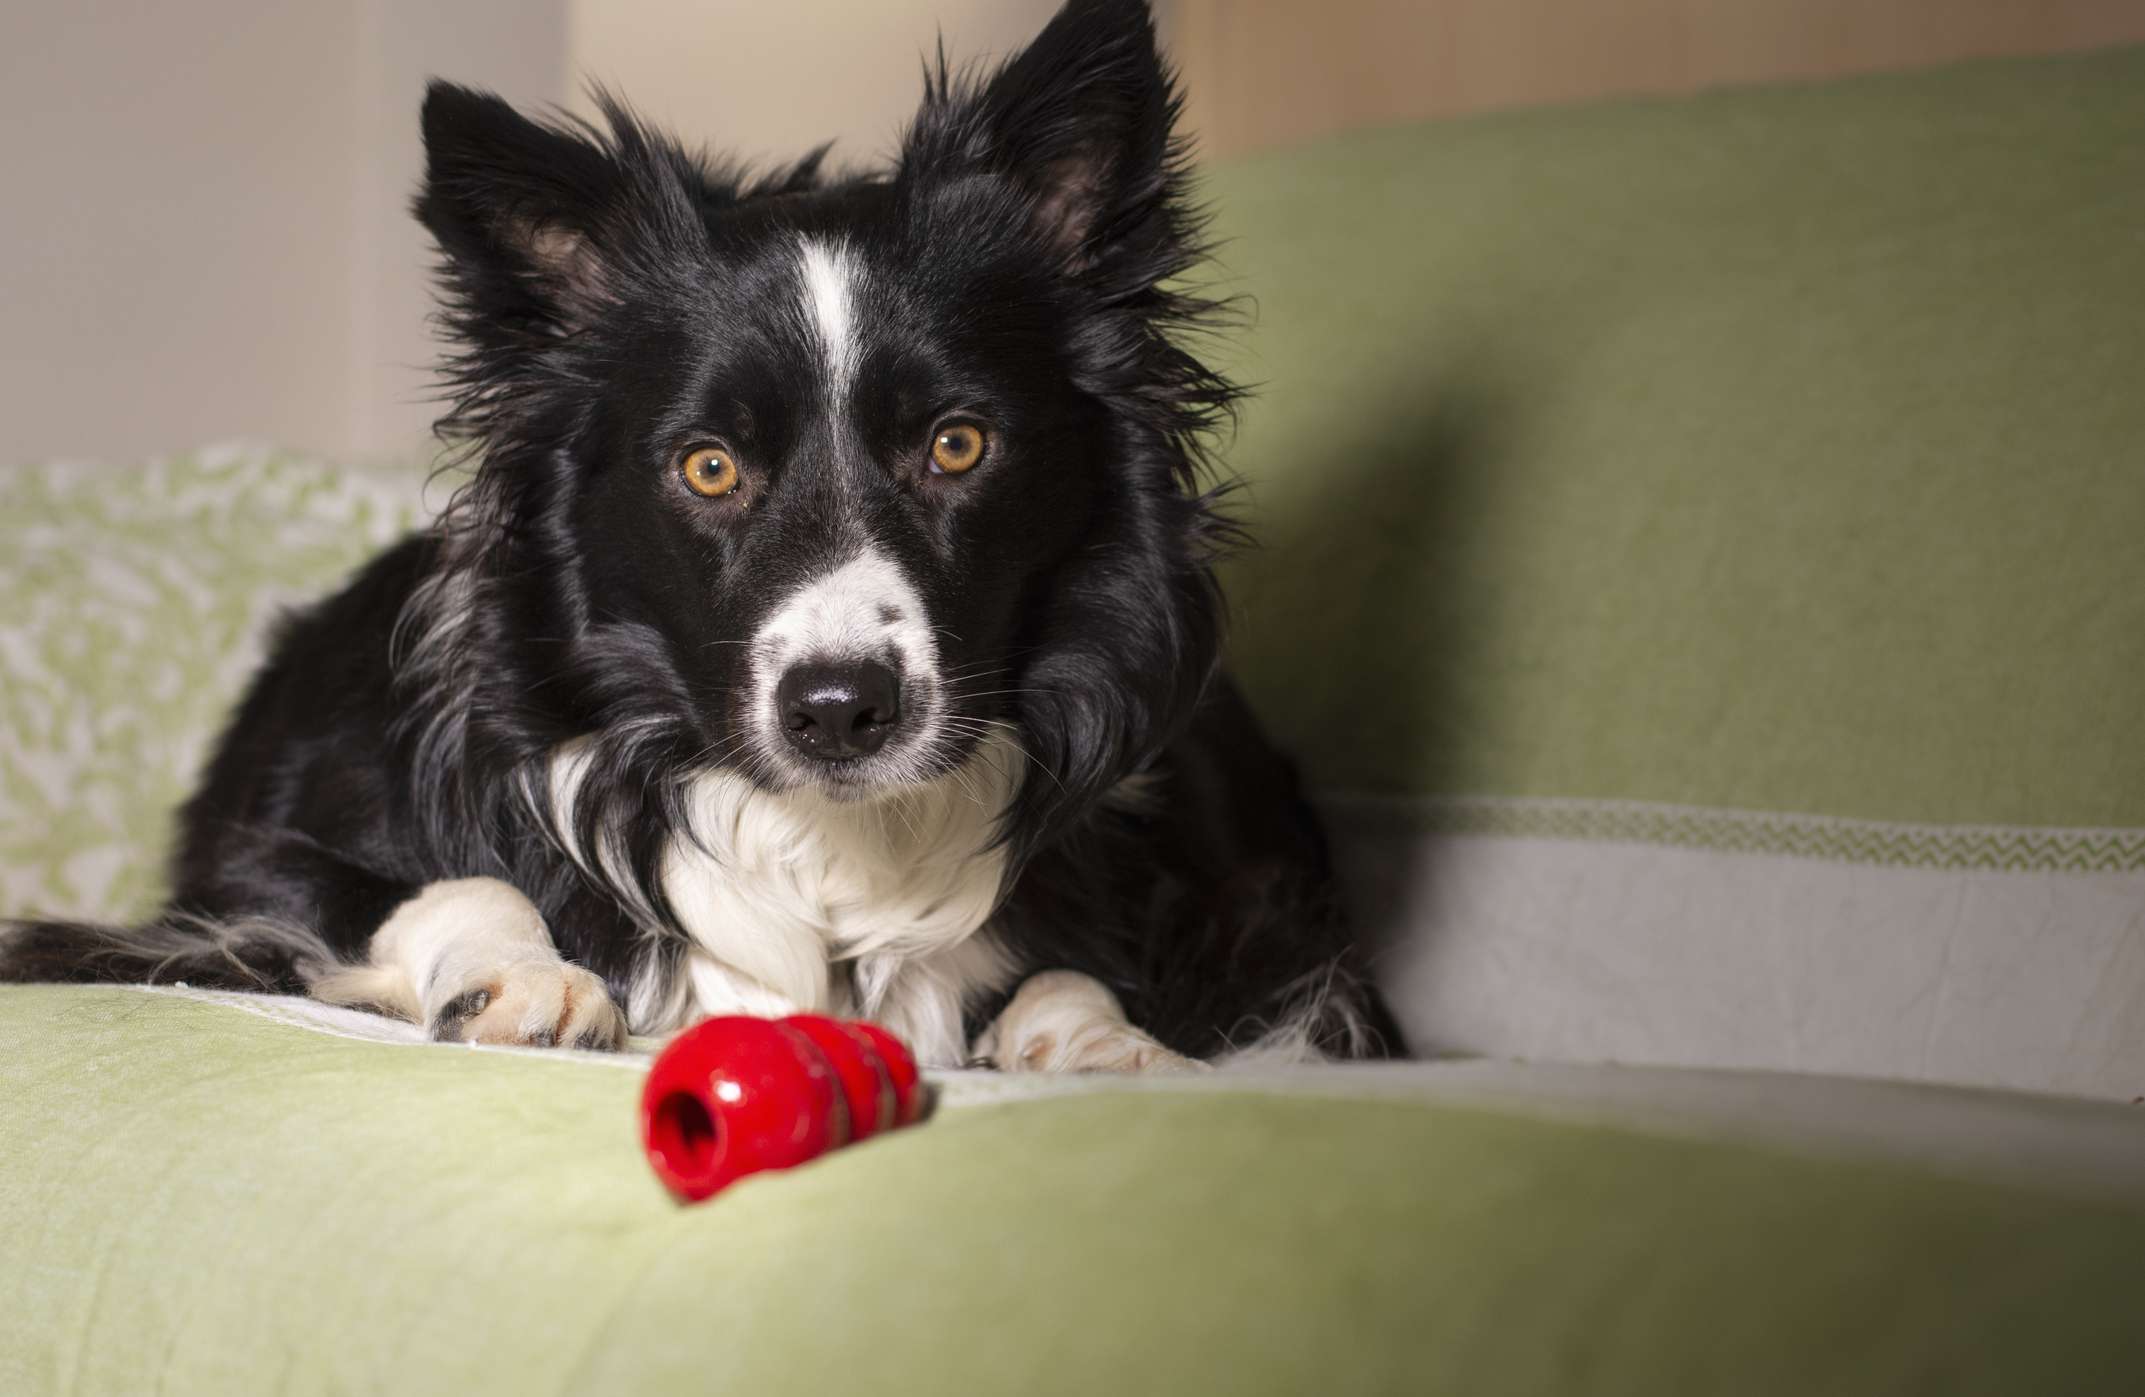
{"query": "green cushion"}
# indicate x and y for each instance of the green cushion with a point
(1777, 450)
(198, 1199)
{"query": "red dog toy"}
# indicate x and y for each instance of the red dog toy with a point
(732, 1096)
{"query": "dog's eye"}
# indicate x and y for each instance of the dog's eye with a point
(710, 471)
(956, 447)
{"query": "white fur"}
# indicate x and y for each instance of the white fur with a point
(924, 999)
(658, 994)
(840, 616)
(797, 901)
(1315, 1024)
(830, 277)
(1062, 1021)
(477, 934)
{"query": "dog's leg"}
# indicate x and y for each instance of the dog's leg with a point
(472, 961)
(1063, 1021)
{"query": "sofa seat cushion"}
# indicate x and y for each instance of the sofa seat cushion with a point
(214, 1194)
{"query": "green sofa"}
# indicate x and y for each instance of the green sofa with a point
(1745, 490)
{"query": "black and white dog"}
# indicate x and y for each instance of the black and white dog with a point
(828, 621)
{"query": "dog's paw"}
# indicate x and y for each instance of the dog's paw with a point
(532, 1004)
(1092, 1048)
(1061, 1021)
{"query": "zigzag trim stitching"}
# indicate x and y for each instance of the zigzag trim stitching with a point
(2010, 848)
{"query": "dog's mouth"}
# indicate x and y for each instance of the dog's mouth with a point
(855, 779)
(970, 762)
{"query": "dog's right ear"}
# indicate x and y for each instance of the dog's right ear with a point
(1079, 125)
(538, 222)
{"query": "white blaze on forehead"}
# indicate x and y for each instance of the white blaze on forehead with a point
(831, 277)
(863, 609)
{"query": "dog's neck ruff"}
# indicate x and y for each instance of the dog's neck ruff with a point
(794, 901)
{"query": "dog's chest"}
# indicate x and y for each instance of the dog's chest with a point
(785, 894)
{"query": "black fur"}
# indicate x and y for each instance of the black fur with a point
(607, 297)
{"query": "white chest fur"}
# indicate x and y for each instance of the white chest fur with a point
(797, 902)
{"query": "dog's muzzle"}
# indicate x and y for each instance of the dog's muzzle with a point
(846, 686)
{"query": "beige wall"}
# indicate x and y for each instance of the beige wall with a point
(1273, 72)
(515, 47)
(780, 78)
(164, 238)
(206, 234)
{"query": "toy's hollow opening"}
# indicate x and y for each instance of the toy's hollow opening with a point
(685, 1136)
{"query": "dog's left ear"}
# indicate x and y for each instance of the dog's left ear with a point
(1078, 123)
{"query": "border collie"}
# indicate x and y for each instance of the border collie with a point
(827, 622)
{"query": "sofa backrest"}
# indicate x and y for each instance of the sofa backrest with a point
(1704, 565)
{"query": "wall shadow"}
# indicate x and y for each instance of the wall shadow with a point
(1358, 610)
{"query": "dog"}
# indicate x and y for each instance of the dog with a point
(827, 620)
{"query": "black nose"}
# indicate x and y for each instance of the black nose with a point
(831, 711)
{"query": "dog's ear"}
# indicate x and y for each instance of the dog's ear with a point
(1078, 123)
(539, 223)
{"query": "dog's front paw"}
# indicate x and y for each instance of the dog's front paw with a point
(532, 1004)
(1091, 1048)
(1061, 1021)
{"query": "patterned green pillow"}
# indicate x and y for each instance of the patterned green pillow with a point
(134, 602)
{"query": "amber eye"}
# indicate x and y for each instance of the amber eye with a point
(956, 447)
(710, 470)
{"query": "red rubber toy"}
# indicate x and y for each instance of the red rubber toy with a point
(866, 1082)
(734, 1095)
(901, 1066)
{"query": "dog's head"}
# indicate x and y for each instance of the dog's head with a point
(819, 479)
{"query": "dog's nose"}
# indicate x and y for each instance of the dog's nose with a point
(831, 711)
